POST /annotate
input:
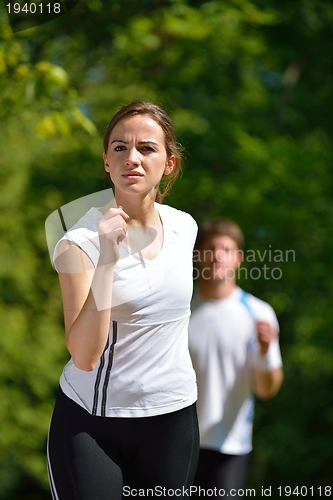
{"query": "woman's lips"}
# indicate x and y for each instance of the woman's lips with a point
(132, 174)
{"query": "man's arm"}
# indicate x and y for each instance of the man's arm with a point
(267, 384)
(267, 380)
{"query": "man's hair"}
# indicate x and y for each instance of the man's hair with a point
(219, 227)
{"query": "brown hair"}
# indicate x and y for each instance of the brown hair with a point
(220, 227)
(163, 120)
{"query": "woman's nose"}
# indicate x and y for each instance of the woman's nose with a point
(133, 157)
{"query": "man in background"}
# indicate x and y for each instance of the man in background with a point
(233, 338)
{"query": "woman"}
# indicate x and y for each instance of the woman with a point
(125, 414)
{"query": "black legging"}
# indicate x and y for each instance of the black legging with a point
(94, 458)
(226, 473)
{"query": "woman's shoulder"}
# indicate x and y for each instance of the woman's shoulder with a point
(84, 234)
(176, 215)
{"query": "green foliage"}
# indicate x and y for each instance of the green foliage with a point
(249, 87)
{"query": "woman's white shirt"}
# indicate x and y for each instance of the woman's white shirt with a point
(146, 368)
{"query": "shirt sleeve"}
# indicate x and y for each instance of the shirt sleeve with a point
(84, 234)
(271, 360)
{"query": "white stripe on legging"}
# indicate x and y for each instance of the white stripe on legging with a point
(49, 472)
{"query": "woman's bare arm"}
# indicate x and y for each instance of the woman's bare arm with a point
(87, 291)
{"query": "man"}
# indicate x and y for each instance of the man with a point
(233, 338)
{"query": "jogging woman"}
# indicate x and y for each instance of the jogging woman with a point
(125, 415)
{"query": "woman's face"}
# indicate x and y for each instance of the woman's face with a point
(136, 158)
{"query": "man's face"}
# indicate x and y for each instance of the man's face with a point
(219, 258)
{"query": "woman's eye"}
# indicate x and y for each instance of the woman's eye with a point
(119, 148)
(148, 149)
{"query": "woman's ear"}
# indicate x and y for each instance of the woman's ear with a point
(170, 164)
(106, 164)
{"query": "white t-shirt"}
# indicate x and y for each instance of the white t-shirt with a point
(224, 348)
(146, 368)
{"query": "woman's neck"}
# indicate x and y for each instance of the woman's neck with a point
(142, 211)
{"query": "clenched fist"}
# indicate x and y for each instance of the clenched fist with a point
(112, 229)
(266, 333)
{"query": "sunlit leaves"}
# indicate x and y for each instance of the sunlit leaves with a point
(248, 84)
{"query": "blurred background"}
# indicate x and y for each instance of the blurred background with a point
(249, 87)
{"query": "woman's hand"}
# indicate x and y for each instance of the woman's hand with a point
(112, 229)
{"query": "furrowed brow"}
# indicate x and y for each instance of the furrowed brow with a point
(148, 142)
